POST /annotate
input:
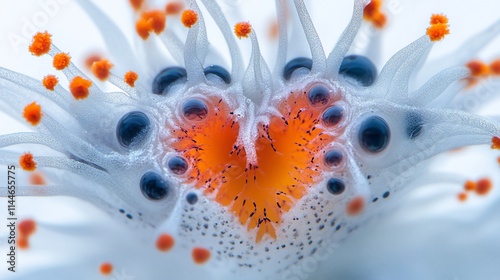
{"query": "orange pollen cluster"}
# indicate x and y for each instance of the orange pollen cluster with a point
(242, 29)
(106, 268)
(481, 187)
(37, 178)
(151, 21)
(27, 162)
(101, 68)
(33, 113)
(61, 61)
(79, 87)
(41, 43)
(136, 4)
(200, 255)
(189, 18)
(25, 228)
(50, 82)
(479, 69)
(174, 8)
(495, 143)
(373, 14)
(439, 27)
(130, 78)
(165, 242)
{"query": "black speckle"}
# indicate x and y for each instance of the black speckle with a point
(375, 199)
(122, 211)
(386, 194)
(129, 216)
(192, 198)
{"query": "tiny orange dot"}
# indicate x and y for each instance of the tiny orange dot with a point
(200, 255)
(484, 186)
(165, 242)
(37, 179)
(33, 113)
(130, 78)
(355, 206)
(61, 61)
(101, 68)
(158, 20)
(470, 186)
(106, 268)
(242, 29)
(50, 82)
(495, 143)
(438, 19)
(27, 162)
(189, 18)
(41, 43)
(174, 8)
(437, 32)
(462, 197)
(495, 67)
(136, 4)
(478, 68)
(79, 87)
(23, 242)
(27, 227)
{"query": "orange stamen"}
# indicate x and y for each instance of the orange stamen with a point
(372, 13)
(41, 43)
(242, 29)
(101, 68)
(37, 179)
(439, 27)
(462, 197)
(200, 255)
(470, 186)
(91, 59)
(495, 143)
(355, 206)
(143, 27)
(189, 18)
(27, 227)
(174, 8)
(106, 268)
(61, 61)
(50, 82)
(33, 113)
(478, 68)
(438, 19)
(136, 4)
(165, 242)
(79, 87)
(495, 67)
(27, 162)
(484, 186)
(130, 78)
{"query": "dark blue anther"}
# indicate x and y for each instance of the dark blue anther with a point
(168, 76)
(153, 186)
(359, 68)
(195, 109)
(332, 116)
(294, 64)
(374, 134)
(177, 165)
(219, 72)
(132, 128)
(335, 186)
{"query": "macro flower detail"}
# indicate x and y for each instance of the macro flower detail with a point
(243, 168)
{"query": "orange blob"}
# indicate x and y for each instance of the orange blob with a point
(91, 59)
(242, 29)
(101, 68)
(495, 143)
(143, 27)
(470, 186)
(273, 30)
(61, 61)
(33, 113)
(22, 242)
(257, 194)
(27, 227)
(130, 78)
(174, 8)
(438, 19)
(27, 162)
(165, 242)
(37, 179)
(462, 197)
(50, 82)
(495, 67)
(478, 68)
(79, 87)
(189, 18)
(200, 255)
(136, 4)
(372, 13)
(41, 43)
(158, 20)
(355, 206)
(106, 268)
(484, 186)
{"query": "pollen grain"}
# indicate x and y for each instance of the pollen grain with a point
(27, 162)
(33, 113)
(200, 255)
(242, 29)
(50, 82)
(165, 242)
(130, 78)
(101, 68)
(79, 87)
(41, 43)
(61, 61)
